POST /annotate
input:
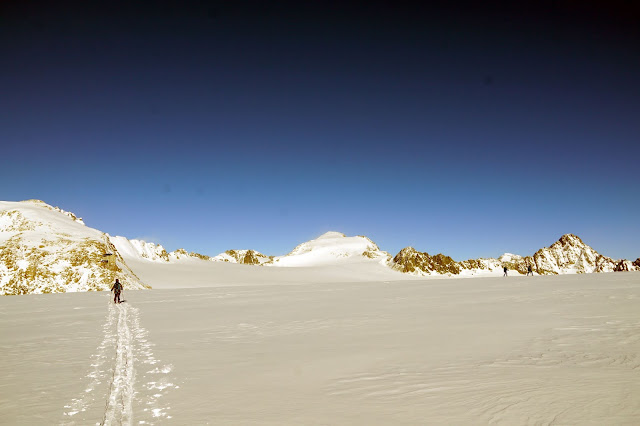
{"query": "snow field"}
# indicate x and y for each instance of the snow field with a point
(115, 366)
(505, 351)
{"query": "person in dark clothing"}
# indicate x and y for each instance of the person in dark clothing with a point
(529, 270)
(505, 271)
(117, 289)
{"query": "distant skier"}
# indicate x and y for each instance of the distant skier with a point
(505, 271)
(116, 289)
(529, 270)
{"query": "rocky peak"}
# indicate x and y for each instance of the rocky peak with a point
(407, 251)
(410, 260)
(250, 258)
(571, 240)
(243, 257)
(571, 255)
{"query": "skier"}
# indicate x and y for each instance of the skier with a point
(117, 288)
(529, 270)
(505, 271)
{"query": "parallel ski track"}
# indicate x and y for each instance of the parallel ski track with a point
(124, 345)
(119, 404)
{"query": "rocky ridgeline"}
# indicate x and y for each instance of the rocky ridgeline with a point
(44, 249)
(567, 255)
(411, 261)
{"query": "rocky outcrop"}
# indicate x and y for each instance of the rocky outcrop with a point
(411, 261)
(514, 262)
(47, 250)
(181, 254)
(627, 266)
(244, 257)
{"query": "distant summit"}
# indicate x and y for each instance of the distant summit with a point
(571, 255)
(331, 248)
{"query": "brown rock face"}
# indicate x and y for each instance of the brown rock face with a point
(250, 258)
(412, 261)
(247, 257)
(472, 264)
(59, 264)
(626, 265)
(521, 264)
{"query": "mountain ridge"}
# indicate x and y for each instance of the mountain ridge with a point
(47, 249)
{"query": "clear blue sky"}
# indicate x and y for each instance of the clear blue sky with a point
(466, 131)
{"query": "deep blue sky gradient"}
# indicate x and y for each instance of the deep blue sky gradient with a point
(469, 131)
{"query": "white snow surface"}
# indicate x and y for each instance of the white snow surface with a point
(140, 249)
(39, 219)
(298, 349)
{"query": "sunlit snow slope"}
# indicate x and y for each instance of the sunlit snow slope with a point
(331, 248)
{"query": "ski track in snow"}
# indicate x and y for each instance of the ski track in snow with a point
(113, 373)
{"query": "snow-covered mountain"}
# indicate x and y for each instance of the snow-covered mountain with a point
(571, 255)
(330, 248)
(44, 249)
(568, 255)
(245, 257)
(142, 250)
